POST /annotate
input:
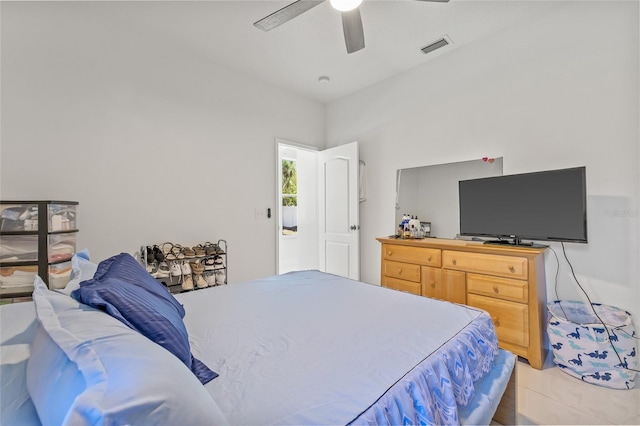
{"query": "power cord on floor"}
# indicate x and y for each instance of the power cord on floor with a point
(622, 364)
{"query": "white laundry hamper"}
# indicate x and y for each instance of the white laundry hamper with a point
(584, 348)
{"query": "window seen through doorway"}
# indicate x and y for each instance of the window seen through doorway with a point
(289, 197)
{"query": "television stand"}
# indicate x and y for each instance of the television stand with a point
(515, 242)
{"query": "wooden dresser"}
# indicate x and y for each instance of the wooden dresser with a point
(506, 281)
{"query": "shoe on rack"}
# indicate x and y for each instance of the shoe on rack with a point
(200, 281)
(158, 254)
(220, 277)
(167, 250)
(199, 251)
(210, 278)
(175, 269)
(163, 270)
(155, 273)
(178, 252)
(189, 253)
(209, 248)
(185, 268)
(209, 263)
(149, 257)
(187, 283)
(197, 270)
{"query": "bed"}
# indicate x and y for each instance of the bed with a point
(301, 348)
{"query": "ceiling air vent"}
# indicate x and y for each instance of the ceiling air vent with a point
(436, 45)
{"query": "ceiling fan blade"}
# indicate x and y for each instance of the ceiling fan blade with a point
(286, 14)
(353, 31)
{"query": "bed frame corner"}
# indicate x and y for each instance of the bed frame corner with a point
(507, 412)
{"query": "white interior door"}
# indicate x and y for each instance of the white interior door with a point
(338, 211)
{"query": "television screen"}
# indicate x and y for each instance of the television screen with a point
(549, 205)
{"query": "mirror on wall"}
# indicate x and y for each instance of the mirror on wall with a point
(431, 192)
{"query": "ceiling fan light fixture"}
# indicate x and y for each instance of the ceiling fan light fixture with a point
(345, 5)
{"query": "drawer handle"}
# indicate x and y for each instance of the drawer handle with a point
(496, 290)
(389, 253)
(511, 268)
(429, 259)
(454, 262)
(399, 271)
(433, 284)
(496, 321)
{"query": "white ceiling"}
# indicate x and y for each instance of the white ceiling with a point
(295, 54)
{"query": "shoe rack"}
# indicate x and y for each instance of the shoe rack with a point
(36, 238)
(187, 268)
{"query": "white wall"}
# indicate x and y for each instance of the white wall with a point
(559, 91)
(156, 143)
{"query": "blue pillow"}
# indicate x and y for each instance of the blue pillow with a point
(124, 267)
(125, 290)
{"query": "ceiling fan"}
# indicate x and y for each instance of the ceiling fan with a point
(351, 19)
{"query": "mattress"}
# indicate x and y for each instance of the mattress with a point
(313, 348)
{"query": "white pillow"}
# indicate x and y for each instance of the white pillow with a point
(82, 269)
(86, 367)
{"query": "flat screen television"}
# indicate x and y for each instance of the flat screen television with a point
(542, 206)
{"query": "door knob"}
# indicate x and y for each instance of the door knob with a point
(353, 227)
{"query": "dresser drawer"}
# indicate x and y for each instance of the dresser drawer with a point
(444, 284)
(509, 318)
(404, 271)
(402, 285)
(492, 264)
(501, 288)
(420, 255)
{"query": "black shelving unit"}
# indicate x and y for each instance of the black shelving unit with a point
(54, 220)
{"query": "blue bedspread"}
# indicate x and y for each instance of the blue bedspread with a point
(313, 348)
(434, 390)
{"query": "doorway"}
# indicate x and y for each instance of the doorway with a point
(318, 209)
(297, 170)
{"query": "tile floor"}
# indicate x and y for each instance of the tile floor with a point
(551, 397)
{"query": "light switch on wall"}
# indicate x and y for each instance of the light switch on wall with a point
(261, 214)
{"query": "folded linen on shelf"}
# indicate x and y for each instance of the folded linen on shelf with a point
(10, 278)
(60, 251)
(59, 275)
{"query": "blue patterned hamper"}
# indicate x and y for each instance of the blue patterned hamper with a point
(584, 348)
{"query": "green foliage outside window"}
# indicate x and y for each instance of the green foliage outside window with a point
(289, 201)
(289, 183)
